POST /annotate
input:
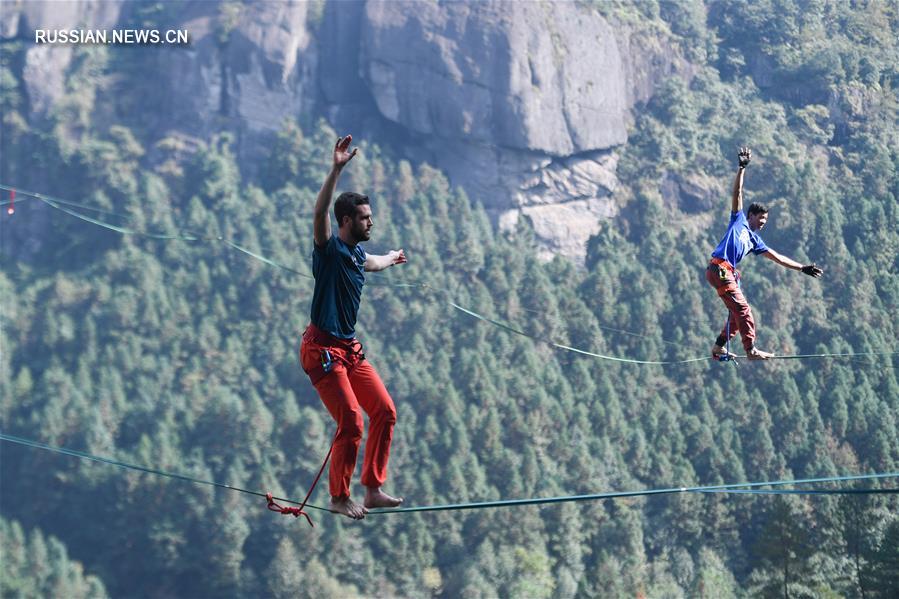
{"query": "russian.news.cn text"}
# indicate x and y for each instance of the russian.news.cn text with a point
(173, 37)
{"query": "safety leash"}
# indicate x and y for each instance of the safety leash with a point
(296, 512)
(729, 357)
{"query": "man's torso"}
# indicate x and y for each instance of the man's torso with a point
(339, 271)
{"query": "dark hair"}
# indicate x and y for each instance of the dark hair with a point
(756, 209)
(346, 205)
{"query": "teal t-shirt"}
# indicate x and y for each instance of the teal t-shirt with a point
(339, 271)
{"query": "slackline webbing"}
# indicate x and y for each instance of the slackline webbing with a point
(804, 491)
(729, 488)
(190, 237)
(112, 462)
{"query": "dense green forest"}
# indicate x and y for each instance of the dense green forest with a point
(182, 355)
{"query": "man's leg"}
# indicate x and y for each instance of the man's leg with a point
(336, 393)
(739, 315)
(730, 330)
(377, 403)
(713, 275)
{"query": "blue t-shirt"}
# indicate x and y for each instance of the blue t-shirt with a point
(739, 241)
(339, 271)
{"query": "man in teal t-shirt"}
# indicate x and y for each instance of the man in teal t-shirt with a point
(330, 354)
(741, 238)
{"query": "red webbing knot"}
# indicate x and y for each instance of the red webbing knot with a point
(296, 512)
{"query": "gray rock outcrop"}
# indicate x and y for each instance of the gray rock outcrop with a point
(536, 76)
(692, 194)
(249, 69)
(272, 58)
(563, 199)
(45, 64)
(248, 66)
(519, 102)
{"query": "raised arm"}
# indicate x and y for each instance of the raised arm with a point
(809, 269)
(736, 203)
(321, 222)
(376, 263)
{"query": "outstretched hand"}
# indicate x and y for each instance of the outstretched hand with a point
(397, 257)
(812, 270)
(342, 155)
(745, 156)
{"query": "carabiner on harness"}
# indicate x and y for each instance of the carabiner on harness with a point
(722, 273)
(728, 357)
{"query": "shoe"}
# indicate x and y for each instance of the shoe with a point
(721, 354)
(757, 354)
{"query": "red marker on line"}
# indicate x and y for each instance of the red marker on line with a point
(12, 202)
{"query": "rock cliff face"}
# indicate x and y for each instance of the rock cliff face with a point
(692, 194)
(271, 60)
(45, 65)
(248, 65)
(537, 76)
(520, 102)
(523, 104)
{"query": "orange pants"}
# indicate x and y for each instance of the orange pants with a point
(350, 384)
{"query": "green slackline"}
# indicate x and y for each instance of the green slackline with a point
(112, 462)
(731, 488)
(806, 491)
(58, 204)
(752, 487)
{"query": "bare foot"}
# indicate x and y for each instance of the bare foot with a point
(348, 507)
(375, 497)
(757, 354)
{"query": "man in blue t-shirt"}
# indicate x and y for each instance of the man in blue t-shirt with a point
(330, 354)
(741, 238)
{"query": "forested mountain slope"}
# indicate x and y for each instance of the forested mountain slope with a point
(182, 355)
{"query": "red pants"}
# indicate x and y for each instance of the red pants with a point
(351, 383)
(726, 281)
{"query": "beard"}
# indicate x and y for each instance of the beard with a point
(361, 234)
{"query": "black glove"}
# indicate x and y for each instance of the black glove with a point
(745, 156)
(812, 270)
